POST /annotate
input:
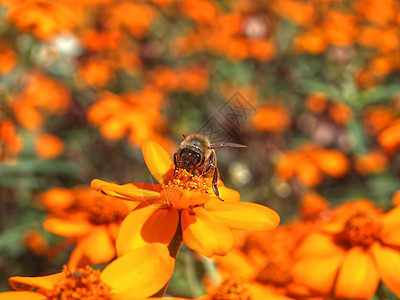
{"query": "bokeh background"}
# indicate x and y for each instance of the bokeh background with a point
(311, 87)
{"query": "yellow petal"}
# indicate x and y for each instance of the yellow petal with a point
(45, 283)
(21, 296)
(318, 273)
(204, 233)
(243, 215)
(388, 262)
(358, 277)
(316, 245)
(391, 227)
(145, 225)
(131, 192)
(140, 273)
(157, 160)
(68, 228)
(97, 247)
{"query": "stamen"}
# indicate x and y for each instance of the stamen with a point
(185, 180)
(361, 229)
(84, 285)
(231, 289)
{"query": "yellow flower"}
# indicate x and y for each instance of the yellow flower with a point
(138, 275)
(183, 204)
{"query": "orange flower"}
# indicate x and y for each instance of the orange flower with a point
(373, 162)
(136, 17)
(49, 146)
(184, 201)
(389, 138)
(200, 11)
(97, 71)
(44, 18)
(272, 117)
(10, 141)
(90, 219)
(40, 97)
(136, 113)
(351, 252)
(340, 113)
(310, 162)
(375, 118)
(8, 58)
(317, 102)
(137, 275)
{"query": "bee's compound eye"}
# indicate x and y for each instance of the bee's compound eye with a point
(198, 157)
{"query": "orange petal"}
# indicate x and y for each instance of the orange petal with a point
(97, 247)
(22, 296)
(243, 215)
(391, 227)
(145, 225)
(68, 228)
(316, 245)
(128, 191)
(318, 273)
(140, 273)
(388, 262)
(204, 233)
(157, 160)
(45, 283)
(358, 277)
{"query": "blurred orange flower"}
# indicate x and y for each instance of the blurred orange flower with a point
(40, 97)
(87, 218)
(389, 138)
(8, 58)
(10, 141)
(373, 162)
(375, 118)
(184, 201)
(135, 113)
(310, 162)
(44, 18)
(317, 102)
(49, 146)
(137, 275)
(273, 117)
(351, 252)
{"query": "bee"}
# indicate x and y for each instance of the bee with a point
(196, 155)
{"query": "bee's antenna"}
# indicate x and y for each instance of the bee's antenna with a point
(184, 136)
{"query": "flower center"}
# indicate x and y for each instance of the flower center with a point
(84, 285)
(185, 180)
(276, 271)
(361, 229)
(231, 289)
(104, 211)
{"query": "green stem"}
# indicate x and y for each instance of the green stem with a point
(173, 248)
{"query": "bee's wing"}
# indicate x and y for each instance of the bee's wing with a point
(226, 145)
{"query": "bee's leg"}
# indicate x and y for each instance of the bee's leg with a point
(210, 164)
(175, 155)
(215, 183)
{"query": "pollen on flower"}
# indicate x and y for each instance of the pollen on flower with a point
(185, 180)
(106, 210)
(84, 285)
(231, 289)
(361, 229)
